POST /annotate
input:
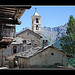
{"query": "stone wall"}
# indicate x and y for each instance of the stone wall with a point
(49, 58)
(27, 35)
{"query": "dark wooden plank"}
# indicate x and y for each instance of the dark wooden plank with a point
(10, 11)
(9, 21)
(17, 6)
(6, 15)
(7, 12)
(8, 8)
(19, 13)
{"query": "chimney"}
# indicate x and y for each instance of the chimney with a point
(52, 45)
(25, 44)
(45, 43)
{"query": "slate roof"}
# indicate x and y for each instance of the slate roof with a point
(31, 52)
(17, 40)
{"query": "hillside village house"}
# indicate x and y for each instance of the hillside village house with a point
(47, 57)
(27, 51)
(30, 36)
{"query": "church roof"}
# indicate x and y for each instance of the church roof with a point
(30, 31)
(36, 14)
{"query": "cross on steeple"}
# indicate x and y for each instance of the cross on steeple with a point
(35, 9)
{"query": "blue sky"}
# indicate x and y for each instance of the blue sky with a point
(51, 16)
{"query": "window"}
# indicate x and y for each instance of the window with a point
(24, 41)
(52, 53)
(14, 49)
(37, 27)
(37, 20)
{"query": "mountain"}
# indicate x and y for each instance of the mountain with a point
(53, 34)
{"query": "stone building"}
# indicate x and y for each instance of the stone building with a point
(33, 35)
(30, 36)
(47, 57)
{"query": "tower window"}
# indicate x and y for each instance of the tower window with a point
(37, 20)
(37, 27)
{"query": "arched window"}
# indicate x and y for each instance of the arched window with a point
(37, 20)
(37, 27)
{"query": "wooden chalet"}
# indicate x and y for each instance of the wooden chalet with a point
(9, 17)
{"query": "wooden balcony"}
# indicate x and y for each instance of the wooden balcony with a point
(5, 41)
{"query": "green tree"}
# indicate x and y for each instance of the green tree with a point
(68, 41)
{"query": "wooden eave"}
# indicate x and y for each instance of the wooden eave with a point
(9, 21)
(13, 12)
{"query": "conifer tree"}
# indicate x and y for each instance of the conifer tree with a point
(68, 41)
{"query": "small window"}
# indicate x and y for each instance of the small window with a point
(24, 41)
(37, 20)
(52, 53)
(14, 49)
(37, 27)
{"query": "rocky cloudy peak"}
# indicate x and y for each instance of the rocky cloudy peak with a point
(53, 33)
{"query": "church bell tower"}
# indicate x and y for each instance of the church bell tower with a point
(36, 22)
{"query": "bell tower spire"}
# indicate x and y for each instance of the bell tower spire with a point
(36, 22)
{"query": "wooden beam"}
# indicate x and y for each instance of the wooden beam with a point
(17, 6)
(19, 13)
(6, 15)
(7, 8)
(9, 21)
(7, 12)
(12, 11)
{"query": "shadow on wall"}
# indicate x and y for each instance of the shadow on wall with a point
(49, 66)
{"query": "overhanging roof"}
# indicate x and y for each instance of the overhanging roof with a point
(11, 14)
